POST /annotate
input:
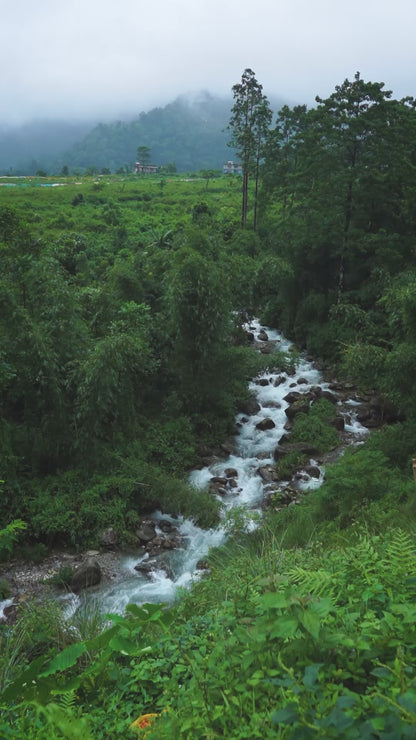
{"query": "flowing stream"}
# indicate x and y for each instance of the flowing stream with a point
(253, 450)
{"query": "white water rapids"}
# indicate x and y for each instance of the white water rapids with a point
(253, 449)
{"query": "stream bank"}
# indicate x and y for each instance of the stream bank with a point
(241, 474)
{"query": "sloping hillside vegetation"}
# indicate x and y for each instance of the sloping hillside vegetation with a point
(122, 363)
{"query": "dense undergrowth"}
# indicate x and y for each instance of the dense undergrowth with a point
(305, 628)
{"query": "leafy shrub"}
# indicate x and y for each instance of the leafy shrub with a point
(358, 477)
(315, 428)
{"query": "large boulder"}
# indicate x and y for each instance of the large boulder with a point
(86, 575)
(292, 396)
(250, 407)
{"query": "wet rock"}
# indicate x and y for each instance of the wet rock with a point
(302, 381)
(281, 379)
(263, 336)
(292, 396)
(268, 474)
(203, 565)
(228, 447)
(266, 349)
(301, 406)
(329, 396)
(313, 471)
(302, 448)
(145, 567)
(88, 574)
(263, 381)
(217, 480)
(232, 483)
(339, 423)
(265, 424)
(11, 613)
(272, 405)
(217, 490)
(231, 473)
(249, 336)
(146, 532)
(166, 526)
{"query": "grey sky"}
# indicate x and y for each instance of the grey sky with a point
(89, 58)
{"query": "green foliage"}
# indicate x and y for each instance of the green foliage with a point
(359, 476)
(9, 535)
(315, 426)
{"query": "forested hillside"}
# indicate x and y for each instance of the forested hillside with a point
(190, 134)
(122, 365)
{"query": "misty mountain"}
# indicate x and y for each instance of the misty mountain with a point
(38, 144)
(190, 132)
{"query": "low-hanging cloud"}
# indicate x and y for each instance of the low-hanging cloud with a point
(100, 58)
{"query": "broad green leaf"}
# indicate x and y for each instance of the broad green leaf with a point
(65, 659)
(284, 627)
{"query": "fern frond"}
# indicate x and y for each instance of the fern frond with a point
(400, 557)
(67, 701)
(316, 582)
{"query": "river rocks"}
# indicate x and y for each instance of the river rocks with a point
(263, 336)
(265, 424)
(88, 574)
(220, 485)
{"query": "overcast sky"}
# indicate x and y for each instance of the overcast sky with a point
(107, 58)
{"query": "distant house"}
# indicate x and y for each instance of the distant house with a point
(148, 169)
(231, 168)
